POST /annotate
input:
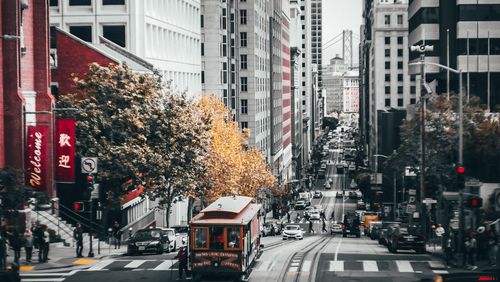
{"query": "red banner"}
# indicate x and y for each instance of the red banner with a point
(65, 149)
(37, 160)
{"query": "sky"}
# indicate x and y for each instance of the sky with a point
(337, 16)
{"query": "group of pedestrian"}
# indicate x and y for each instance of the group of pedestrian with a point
(37, 237)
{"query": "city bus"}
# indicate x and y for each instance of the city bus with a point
(224, 238)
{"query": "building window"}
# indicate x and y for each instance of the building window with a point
(400, 40)
(413, 101)
(80, 2)
(243, 16)
(54, 3)
(387, 19)
(400, 65)
(387, 77)
(387, 102)
(400, 77)
(84, 32)
(115, 33)
(243, 62)
(202, 21)
(202, 76)
(387, 65)
(202, 48)
(244, 124)
(400, 52)
(387, 40)
(387, 90)
(113, 2)
(400, 19)
(400, 102)
(244, 106)
(243, 39)
(400, 90)
(413, 89)
(244, 84)
(387, 52)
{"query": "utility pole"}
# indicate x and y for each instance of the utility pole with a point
(423, 99)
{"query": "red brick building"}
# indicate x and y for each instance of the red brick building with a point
(25, 98)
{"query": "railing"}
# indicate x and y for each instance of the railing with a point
(55, 223)
(86, 223)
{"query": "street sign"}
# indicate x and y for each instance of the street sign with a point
(95, 192)
(89, 165)
(473, 182)
(412, 199)
(412, 192)
(411, 208)
(376, 178)
(429, 201)
(353, 184)
(411, 171)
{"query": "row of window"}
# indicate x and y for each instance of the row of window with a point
(388, 65)
(400, 102)
(387, 19)
(55, 3)
(400, 90)
(387, 40)
(114, 33)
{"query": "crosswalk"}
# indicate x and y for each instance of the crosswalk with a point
(46, 276)
(401, 266)
(134, 265)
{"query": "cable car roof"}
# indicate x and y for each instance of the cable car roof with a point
(234, 204)
(235, 210)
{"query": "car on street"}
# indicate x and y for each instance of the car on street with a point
(148, 240)
(383, 231)
(181, 234)
(339, 194)
(300, 205)
(171, 239)
(467, 276)
(327, 185)
(353, 195)
(372, 229)
(335, 228)
(270, 229)
(351, 225)
(293, 232)
(405, 238)
(321, 174)
(317, 195)
(361, 205)
(308, 210)
(314, 215)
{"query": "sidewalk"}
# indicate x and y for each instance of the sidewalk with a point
(61, 257)
(437, 251)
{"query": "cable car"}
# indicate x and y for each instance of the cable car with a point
(224, 238)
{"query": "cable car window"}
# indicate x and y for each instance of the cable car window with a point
(200, 237)
(233, 237)
(217, 238)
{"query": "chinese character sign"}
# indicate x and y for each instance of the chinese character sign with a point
(36, 154)
(65, 144)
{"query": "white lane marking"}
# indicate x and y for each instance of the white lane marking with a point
(293, 269)
(101, 265)
(370, 266)
(404, 266)
(164, 265)
(44, 274)
(306, 266)
(337, 265)
(43, 279)
(338, 249)
(296, 264)
(135, 263)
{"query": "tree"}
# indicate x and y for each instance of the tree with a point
(14, 195)
(233, 168)
(178, 142)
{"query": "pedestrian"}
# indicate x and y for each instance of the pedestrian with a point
(182, 256)
(492, 245)
(324, 226)
(471, 249)
(333, 216)
(288, 216)
(78, 236)
(482, 243)
(28, 245)
(3, 250)
(311, 230)
(16, 244)
(448, 249)
(43, 255)
(117, 234)
(322, 215)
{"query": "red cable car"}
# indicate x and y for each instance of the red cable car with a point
(224, 238)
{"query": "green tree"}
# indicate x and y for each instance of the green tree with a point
(14, 195)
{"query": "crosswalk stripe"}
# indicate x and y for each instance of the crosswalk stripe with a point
(440, 271)
(44, 274)
(43, 279)
(164, 265)
(404, 266)
(101, 265)
(370, 265)
(306, 266)
(135, 263)
(336, 265)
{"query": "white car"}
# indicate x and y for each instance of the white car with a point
(314, 215)
(171, 239)
(335, 228)
(293, 232)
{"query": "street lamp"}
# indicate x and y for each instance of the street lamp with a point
(394, 185)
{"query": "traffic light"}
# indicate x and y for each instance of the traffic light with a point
(90, 182)
(460, 176)
(78, 206)
(474, 202)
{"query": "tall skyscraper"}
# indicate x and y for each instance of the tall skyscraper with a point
(316, 37)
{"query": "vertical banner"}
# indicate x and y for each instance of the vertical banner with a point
(37, 157)
(65, 144)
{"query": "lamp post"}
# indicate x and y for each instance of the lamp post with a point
(394, 185)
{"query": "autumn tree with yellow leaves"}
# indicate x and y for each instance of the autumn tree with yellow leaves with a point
(233, 167)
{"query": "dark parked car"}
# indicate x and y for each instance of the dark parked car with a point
(351, 225)
(406, 239)
(384, 232)
(151, 240)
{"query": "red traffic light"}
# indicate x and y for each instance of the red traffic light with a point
(78, 206)
(460, 170)
(90, 178)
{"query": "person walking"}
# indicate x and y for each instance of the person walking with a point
(333, 216)
(311, 230)
(43, 256)
(16, 244)
(471, 249)
(182, 256)
(28, 245)
(78, 236)
(492, 245)
(288, 216)
(448, 249)
(117, 233)
(3, 250)
(324, 226)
